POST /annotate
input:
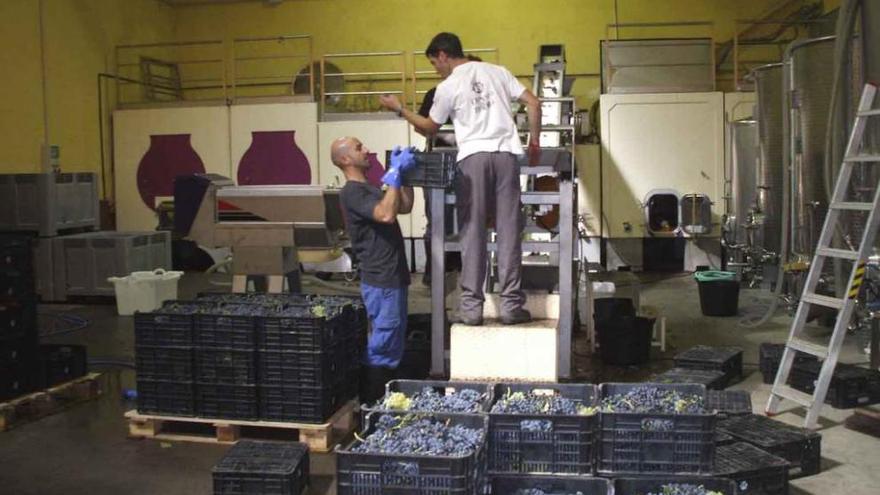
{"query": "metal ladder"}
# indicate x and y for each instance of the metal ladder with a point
(845, 306)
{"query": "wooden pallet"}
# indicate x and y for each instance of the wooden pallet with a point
(319, 437)
(50, 401)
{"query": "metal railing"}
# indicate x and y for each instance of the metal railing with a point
(343, 100)
(270, 66)
(196, 70)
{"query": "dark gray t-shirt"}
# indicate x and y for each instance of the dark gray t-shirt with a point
(378, 246)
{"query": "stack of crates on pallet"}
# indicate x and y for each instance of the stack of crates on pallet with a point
(19, 340)
(380, 460)
(662, 485)
(62, 363)
(543, 428)
(226, 362)
(640, 443)
(800, 447)
(250, 356)
(307, 357)
(164, 359)
(753, 470)
(265, 468)
(726, 360)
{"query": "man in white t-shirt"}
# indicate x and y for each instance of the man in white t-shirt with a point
(477, 97)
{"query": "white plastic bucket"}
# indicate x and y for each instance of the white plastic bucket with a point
(144, 291)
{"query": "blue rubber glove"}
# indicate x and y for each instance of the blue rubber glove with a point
(402, 158)
(392, 177)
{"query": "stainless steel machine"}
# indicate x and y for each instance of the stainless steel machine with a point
(271, 229)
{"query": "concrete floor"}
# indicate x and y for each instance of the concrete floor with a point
(85, 450)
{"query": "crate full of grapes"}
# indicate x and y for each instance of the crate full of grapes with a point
(655, 428)
(542, 428)
(674, 485)
(429, 396)
(415, 454)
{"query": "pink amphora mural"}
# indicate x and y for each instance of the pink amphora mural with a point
(169, 156)
(274, 158)
(376, 170)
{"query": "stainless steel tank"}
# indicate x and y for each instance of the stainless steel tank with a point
(743, 178)
(768, 88)
(810, 79)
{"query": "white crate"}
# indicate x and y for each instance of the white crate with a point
(144, 291)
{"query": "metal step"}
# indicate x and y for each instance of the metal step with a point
(868, 113)
(793, 395)
(849, 205)
(862, 158)
(827, 301)
(810, 348)
(838, 253)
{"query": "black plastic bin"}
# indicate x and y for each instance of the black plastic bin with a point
(611, 308)
(719, 293)
(368, 474)
(799, 446)
(563, 443)
(725, 359)
(262, 468)
(625, 340)
(643, 486)
(511, 484)
(655, 443)
(755, 472)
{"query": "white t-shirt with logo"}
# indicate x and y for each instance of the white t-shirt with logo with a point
(477, 97)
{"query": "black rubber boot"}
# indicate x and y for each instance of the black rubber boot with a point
(373, 383)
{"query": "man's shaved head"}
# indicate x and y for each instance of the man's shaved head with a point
(339, 149)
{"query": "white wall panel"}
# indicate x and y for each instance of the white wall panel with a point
(208, 127)
(659, 141)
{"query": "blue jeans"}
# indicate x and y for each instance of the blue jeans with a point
(387, 310)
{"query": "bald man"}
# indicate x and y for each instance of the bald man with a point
(371, 222)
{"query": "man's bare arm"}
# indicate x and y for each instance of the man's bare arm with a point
(533, 109)
(386, 210)
(406, 200)
(423, 125)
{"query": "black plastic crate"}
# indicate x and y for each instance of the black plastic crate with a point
(19, 350)
(226, 366)
(799, 446)
(755, 472)
(164, 363)
(16, 284)
(301, 404)
(16, 253)
(18, 318)
(711, 379)
(433, 169)
(170, 325)
(729, 402)
(728, 360)
(642, 443)
(297, 329)
(302, 368)
(224, 328)
(722, 438)
(770, 355)
(850, 387)
(166, 397)
(373, 474)
(512, 484)
(16, 379)
(62, 363)
(262, 468)
(536, 443)
(227, 401)
(643, 486)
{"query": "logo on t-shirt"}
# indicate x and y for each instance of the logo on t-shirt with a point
(482, 98)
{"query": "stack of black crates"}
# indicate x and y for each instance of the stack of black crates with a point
(851, 386)
(19, 340)
(250, 356)
(726, 448)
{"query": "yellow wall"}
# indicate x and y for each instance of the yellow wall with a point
(515, 27)
(79, 36)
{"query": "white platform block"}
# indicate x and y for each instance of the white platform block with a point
(543, 306)
(495, 351)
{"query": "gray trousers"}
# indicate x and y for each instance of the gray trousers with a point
(489, 185)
